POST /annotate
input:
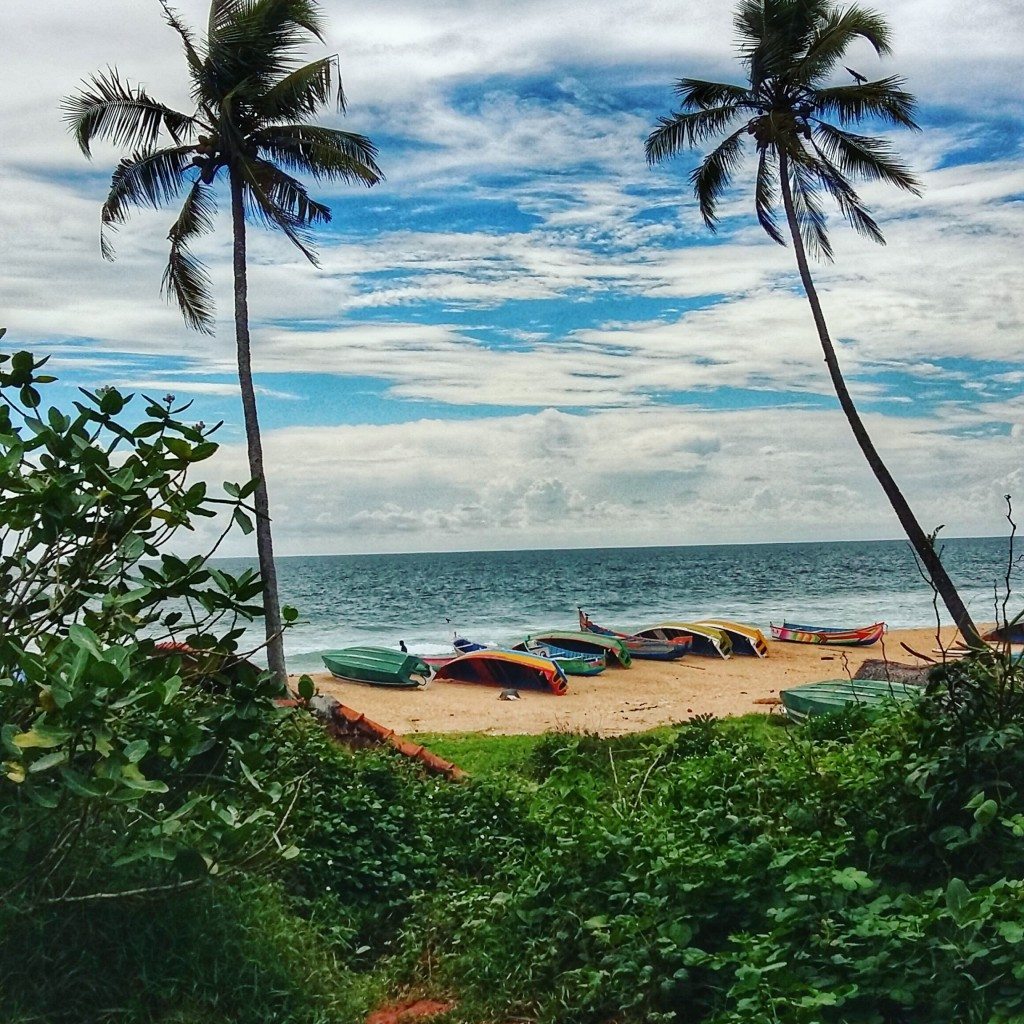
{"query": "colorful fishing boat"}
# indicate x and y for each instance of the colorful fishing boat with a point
(507, 669)
(574, 663)
(811, 699)
(745, 639)
(639, 647)
(378, 666)
(704, 639)
(1008, 633)
(588, 643)
(863, 636)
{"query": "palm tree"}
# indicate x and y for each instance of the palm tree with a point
(790, 49)
(253, 107)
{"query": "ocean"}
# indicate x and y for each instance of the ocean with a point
(500, 596)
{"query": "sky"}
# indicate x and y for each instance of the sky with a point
(525, 336)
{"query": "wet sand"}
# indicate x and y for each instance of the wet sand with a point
(649, 694)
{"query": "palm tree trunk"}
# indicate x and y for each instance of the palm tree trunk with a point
(264, 542)
(921, 543)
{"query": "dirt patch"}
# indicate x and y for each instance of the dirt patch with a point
(409, 1012)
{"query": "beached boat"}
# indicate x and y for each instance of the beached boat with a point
(574, 663)
(589, 643)
(863, 636)
(639, 646)
(507, 669)
(803, 702)
(378, 666)
(1008, 633)
(745, 639)
(704, 639)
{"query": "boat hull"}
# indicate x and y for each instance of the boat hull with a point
(589, 643)
(640, 647)
(574, 663)
(829, 695)
(709, 640)
(507, 669)
(745, 639)
(377, 666)
(864, 636)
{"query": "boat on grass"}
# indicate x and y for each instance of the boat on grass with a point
(612, 647)
(811, 699)
(507, 669)
(639, 647)
(704, 639)
(378, 666)
(863, 636)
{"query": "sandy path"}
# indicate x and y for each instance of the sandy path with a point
(649, 694)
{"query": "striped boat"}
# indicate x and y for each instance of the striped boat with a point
(639, 646)
(863, 636)
(508, 669)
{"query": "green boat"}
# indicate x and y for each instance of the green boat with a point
(803, 702)
(378, 666)
(586, 643)
(574, 663)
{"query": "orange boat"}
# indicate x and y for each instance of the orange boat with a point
(508, 669)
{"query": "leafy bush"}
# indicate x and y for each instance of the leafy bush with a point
(123, 767)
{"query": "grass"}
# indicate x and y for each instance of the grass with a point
(487, 756)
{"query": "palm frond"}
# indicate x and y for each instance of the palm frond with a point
(186, 280)
(884, 99)
(107, 108)
(143, 179)
(256, 43)
(696, 94)
(766, 194)
(325, 153)
(810, 218)
(187, 36)
(833, 34)
(864, 157)
(222, 12)
(278, 200)
(712, 176)
(849, 203)
(302, 93)
(686, 130)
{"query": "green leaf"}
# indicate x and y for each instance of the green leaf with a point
(958, 898)
(986, 811)
(50, 760)
(306, 687)
(85, 639)
(136, 751)
(243, 521)
(40, 736)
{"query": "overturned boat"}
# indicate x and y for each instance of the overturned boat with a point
(378, 666)
(588, 643)
(507, 669)
(639, 646)
(705, 639)
(811, 699)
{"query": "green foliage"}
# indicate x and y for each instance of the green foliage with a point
(231, 954)
(124, 767)
(724, 876)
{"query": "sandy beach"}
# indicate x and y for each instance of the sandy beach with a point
(649, 694)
